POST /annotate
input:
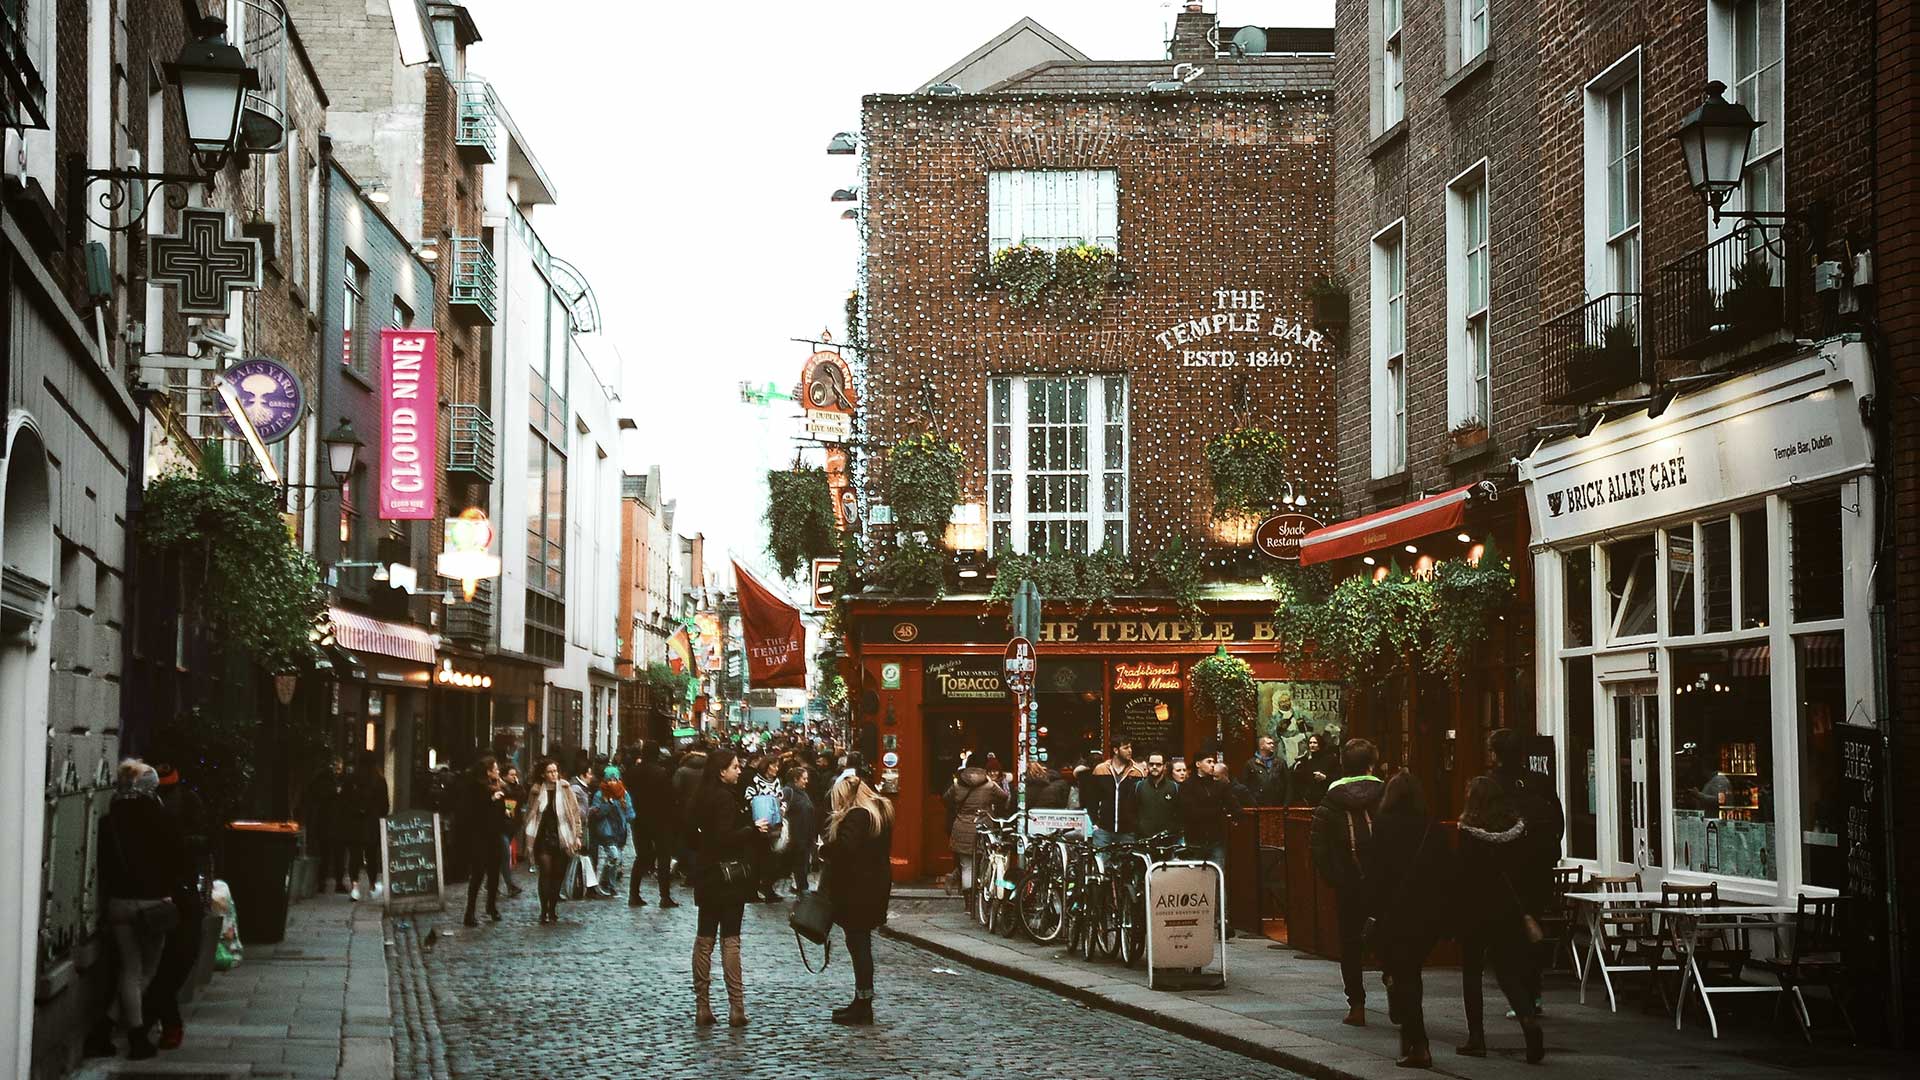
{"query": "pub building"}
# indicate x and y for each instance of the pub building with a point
(1704, 587)
(934, 670)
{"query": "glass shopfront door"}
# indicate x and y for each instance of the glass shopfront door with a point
(1636, 713)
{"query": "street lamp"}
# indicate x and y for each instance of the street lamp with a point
(213, 78)
(1715, 139)
(343, 451)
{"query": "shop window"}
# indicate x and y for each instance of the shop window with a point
(1754, 584)
(1723, 783)
(1823, 708)
(1680, 568)
(1577, 572)
(1632, 599)
(1716, 574)
(1583, 806)
(1818, 587)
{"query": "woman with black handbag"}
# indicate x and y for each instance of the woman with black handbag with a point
(726, 840)
(858, 881)
(1493, 920)
(143, 862)
(1408, 873)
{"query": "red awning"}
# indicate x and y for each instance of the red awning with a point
(366, 634)
(1388, 528)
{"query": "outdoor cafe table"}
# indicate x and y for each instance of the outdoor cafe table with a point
(1689, 925)
(1595, 904)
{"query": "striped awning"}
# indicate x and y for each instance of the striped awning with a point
(366, 634)
(1388, 528)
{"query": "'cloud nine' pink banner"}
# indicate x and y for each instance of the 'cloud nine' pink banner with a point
(409, 423)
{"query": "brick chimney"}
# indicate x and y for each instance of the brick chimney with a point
(1190, 30)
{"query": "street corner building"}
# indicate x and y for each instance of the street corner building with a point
(1077, 274)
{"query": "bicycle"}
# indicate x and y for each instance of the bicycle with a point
(1090, 930)
(1041, 897)
(993, 852)
(1130, 890)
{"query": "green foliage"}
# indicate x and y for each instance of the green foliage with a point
(914, 568)
(846, 582)
(1465, 599)
(1071, 281)
(1368, 629)
(1619, 337)
(1300, 598)
(1224, 693)
(1180, 570)
(668, 685)
(853, 317)
(259, 593)
(1249, 470)
(1098, 578)
(923, 481)
(799, 519)
(1751, 299)
(214, 752)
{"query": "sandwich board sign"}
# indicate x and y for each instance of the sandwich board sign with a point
(1186, 925)
(410, 854)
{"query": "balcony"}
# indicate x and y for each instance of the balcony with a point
(23, 94)
(475, 130)
(1735, 301)
(470, 622)
(470, 443)
(1593, 350)
(476, 287)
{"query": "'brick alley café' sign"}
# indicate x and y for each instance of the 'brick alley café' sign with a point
(879, 631)
(1236, 329)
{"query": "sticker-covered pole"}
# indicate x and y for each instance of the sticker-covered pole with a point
(1020, 673)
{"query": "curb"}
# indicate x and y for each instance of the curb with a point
(1187, 1028)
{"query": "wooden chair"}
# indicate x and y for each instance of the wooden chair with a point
(1559, 922)
(1629, 934)
(1815, 959)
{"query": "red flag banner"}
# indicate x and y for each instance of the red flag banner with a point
(775, 641)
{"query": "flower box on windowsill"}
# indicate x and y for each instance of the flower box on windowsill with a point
(1468, 433)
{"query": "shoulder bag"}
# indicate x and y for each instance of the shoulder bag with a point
(153, 918)
(812, 919)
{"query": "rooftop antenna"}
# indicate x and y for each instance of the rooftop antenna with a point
(1249, 41)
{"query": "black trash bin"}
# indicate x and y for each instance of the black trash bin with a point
(257, 863)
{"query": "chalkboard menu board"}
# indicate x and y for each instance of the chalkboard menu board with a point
(1860, 822)
(410, 853)
(1152, 721)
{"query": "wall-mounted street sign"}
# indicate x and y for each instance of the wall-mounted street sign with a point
(827, 394)
(271, 396)
(1279, 536)
(203, 264)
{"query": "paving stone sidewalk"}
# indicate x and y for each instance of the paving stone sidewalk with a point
(314, 1007)
(1285, 1007)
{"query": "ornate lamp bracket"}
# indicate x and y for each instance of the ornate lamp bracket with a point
(119, 200)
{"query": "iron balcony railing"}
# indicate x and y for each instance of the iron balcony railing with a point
(476, 286)
(470, 622)
(470, 443)
(1733, 299)
(476, 128)
(1593, 350)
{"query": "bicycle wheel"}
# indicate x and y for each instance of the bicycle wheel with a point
(1039, 908)
(1133, 927)
(1106, 927)
(982, 891)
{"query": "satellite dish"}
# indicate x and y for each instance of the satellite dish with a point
(1251, 40)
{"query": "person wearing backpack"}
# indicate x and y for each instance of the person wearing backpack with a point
(1342, 826)
(1532, 797)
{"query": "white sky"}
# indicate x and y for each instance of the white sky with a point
(686, 143)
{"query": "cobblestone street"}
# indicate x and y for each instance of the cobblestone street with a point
(606, 993)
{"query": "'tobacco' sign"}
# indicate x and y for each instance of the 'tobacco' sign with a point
(409, 423)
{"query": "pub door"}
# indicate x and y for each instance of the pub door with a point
(949, 733)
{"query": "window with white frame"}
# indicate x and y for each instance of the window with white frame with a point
(1053, 208)
(1390, 69)
(1473, 29)
(1388, 335)
(1057, 463)
(1746, 49)
(1469, 356)
(1613, 188)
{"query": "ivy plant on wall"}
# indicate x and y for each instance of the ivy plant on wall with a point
(1097, 579)
(800, 525)
(923, 482)
(1249, 468)
(1368, 628)
(1467, 596)
(914, 568)
(258, 593)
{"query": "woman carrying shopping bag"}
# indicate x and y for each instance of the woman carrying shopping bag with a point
(555, 830)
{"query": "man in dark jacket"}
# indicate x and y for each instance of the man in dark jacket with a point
(365, 803)
(1157, 799)
(656, 825)
(1257, 776)
(1342, 825)
(481, 817)
(1533, 798)
(322, 805)
(1101, 791)
(1207, 802)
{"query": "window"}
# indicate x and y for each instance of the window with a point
(296, 209)
(1583, 809)
(348, 515)
(1389, 340)
(1613, 189)
(1746, 50)
(1716, 574)
(312, 264)
(547, 385)
(1632, 599)
(1057, 463)
(1390, 96)
(546, 500)
(1754, 583)
(1823, 709)
(1470, 395)
(1053, 208)
(1578, 576)
(351, 327)
(1473, 29)
(1819, 583)
(402, 316)
(1681, 620)
(1723, 760)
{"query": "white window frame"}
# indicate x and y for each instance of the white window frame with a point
(1387, 327)
(1605, 171)
(1389, 105)
(1475, 29)
(1053, 208)
(1763, 187)
(1095, 516)
(1469, 284)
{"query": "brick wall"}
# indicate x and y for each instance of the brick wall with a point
(1216, 192)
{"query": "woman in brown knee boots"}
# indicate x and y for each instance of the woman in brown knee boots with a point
(724, 841)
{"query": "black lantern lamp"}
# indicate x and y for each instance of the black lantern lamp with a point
(1715, 139)
(213, 78)
(343, 451)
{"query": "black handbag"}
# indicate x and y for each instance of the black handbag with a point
(726, 881)
(812, 919)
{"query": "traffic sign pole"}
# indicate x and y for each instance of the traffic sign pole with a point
(1026, 628)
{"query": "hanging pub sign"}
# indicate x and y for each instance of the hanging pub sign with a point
(409, 423)
(203, 264)
(270, 394)
(1279, 536)
(827, 394)
(468, 553)
(840, 486)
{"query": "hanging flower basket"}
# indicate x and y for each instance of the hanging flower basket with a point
(1224, 693)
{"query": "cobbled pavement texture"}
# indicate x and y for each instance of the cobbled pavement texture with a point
(607, 994)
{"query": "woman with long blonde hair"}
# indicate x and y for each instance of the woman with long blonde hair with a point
(859, 878)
